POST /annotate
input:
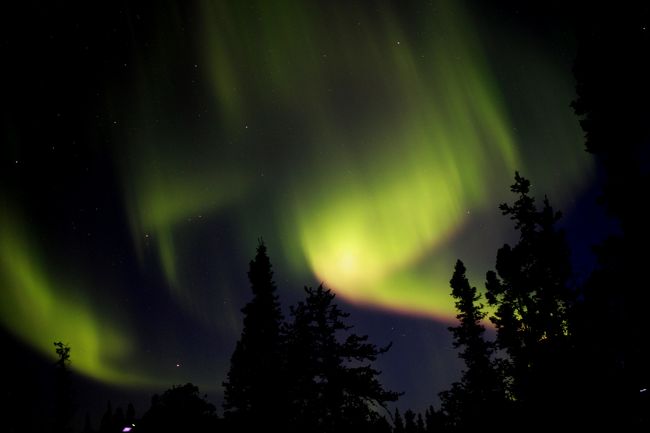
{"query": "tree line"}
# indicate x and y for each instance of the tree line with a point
(313, 373)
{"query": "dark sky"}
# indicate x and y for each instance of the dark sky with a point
(146, 148)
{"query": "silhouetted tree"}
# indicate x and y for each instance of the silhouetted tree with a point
(453, 407)
(533, 302)
(180, 409)
(420, 424)
(381, 426)
(611, 72)
(398, 423)
(88, 428)
(435, 421)
(479, 397)
(113, 421)
(253, 391)
(409, 422)
(63, 405)
(130, 414)
(333, 386)
(613, 88)
(106, 425)
(119, 420)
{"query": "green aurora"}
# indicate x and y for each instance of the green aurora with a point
(370, 146)
(39, 309)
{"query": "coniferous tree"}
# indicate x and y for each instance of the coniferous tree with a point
(479, 396)
(381, 426)
(64, 408)
(179, 409)
(253, 391)
(452, 406)
(130, 414)
(533, 302)
(613, 88)
(119, 420)
(435, 421)
(398, 423)
(87, 425)
(410, 425)
(420, 424)
(333, 386)
(106, 424)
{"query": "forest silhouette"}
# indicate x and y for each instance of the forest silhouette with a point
(310, 372)
(554, 363)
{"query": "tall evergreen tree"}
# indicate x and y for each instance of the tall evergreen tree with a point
(106, 423)
(88, 428)
(64, 406)
(611, 72)
(333, 386)
(420, 424)
(398, 422)
(410, 425)
(130, 414)
(479, 395)
(119, 420)
(533, 302)
(253, 391)
(435, 421)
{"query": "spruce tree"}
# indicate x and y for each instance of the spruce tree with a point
(480, 392)
(130, 414)
(410, 425)
(63, 404)
(612, 87)
(333, 386)
(435, 421)
(254, 386)
(398, 423)
(88, 428)
(420, 424)
(119, 420)
(533, 301)
(106, 423)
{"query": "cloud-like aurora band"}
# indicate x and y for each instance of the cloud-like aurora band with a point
(385, 141)
(37, 308)
(382, 195)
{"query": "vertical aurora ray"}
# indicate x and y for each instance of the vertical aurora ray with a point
(166, 198)
(391, 174)
(171, 181)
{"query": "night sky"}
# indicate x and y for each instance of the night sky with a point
(145, 149)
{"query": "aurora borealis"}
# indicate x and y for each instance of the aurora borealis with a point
(147, 149)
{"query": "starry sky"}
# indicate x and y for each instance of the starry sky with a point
(146, 148)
